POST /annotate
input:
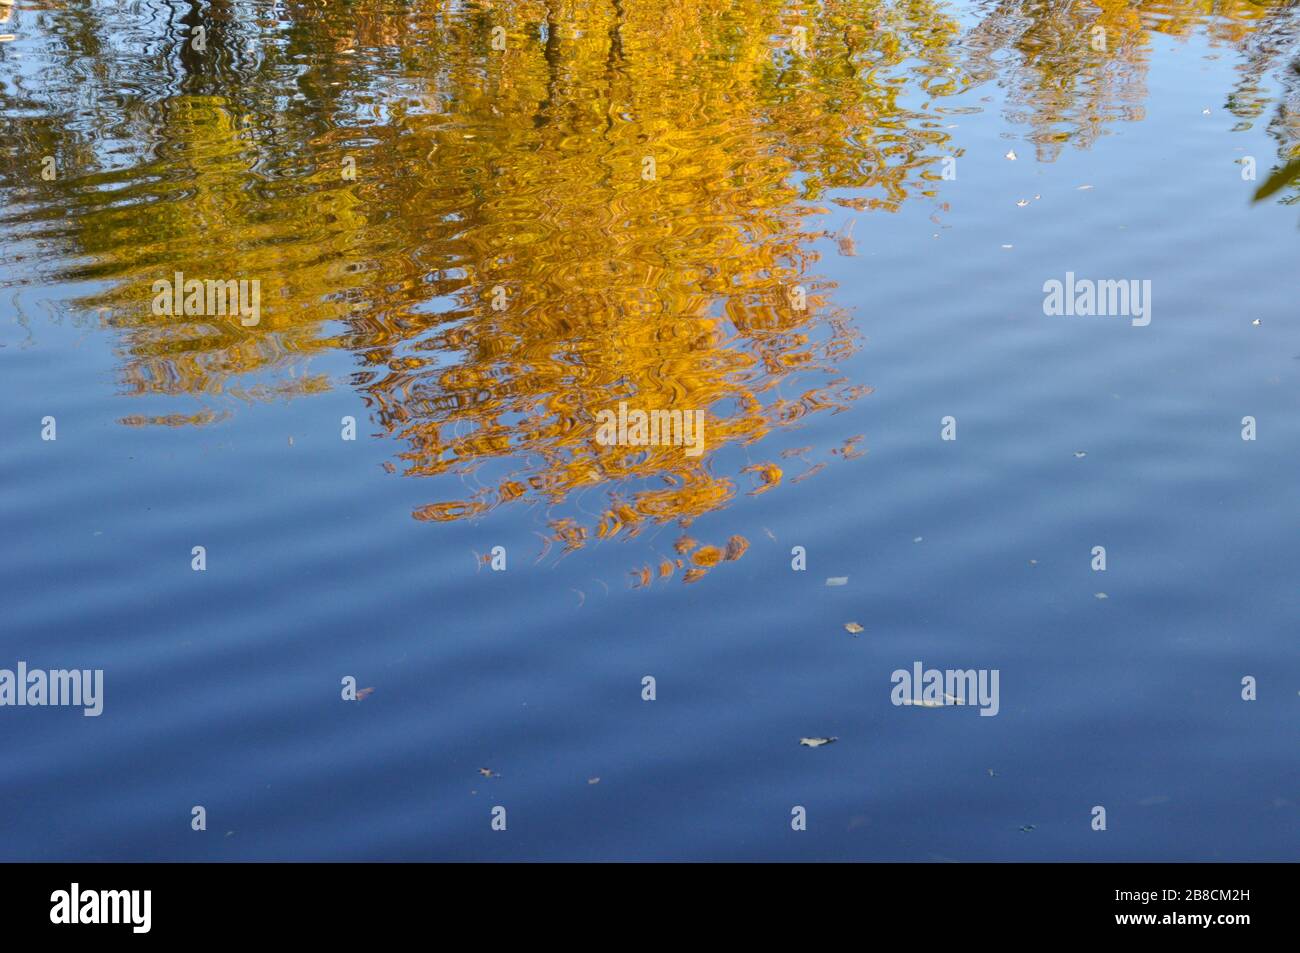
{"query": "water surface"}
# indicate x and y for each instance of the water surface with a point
(459, 246)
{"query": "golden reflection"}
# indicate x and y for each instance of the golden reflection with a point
(456, 194)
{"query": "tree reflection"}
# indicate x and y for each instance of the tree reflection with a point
(501, 267)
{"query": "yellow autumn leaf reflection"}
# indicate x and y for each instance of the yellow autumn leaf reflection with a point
(586, 283)
(569, 281)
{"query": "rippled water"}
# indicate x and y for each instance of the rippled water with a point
(476, 227)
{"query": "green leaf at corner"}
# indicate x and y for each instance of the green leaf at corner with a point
(1278, 179)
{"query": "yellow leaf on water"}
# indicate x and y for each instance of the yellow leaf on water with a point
(853, 627)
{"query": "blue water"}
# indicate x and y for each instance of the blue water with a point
(222, 688)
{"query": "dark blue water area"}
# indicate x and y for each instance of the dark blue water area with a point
(222, 688)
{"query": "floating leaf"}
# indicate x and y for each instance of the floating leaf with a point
(853, 628)
(816, 742)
